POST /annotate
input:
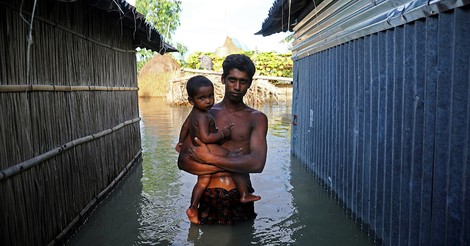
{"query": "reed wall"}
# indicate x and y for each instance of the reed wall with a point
(384, 122)
(69, 120)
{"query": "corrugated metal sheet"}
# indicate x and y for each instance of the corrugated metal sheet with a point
(342, 21)
(384, 121)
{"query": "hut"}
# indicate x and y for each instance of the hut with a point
(230, 46)
(69, 119)
(381, 111)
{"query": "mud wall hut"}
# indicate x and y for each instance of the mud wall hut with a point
(381, 111)
(69, 120)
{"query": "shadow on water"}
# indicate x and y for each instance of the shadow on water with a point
(148, 207)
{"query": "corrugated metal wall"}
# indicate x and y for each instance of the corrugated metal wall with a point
(384, 121)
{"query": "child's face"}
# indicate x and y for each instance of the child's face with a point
(203, 99)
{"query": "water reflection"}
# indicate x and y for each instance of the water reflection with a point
(148, 207)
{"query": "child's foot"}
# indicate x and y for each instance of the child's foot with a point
(249, 198)
(192, 215)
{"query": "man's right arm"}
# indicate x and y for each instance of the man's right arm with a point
(189, 165)
(251, 162)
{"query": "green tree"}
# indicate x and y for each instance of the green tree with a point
(267, 63)
(164, 15)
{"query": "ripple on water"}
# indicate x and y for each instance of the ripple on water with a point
(148, 208)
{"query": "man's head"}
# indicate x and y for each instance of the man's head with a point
(240, 62)
(238, 72)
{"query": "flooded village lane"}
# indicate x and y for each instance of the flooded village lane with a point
(148, 207)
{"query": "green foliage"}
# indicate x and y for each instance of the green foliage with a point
(273, 64)
(267, 63)
(193, 62)
(164, 16)
(180, 55)
(143, 56)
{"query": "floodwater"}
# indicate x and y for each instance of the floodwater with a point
(148, 207)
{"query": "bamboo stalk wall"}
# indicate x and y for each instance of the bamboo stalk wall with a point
(69, 120)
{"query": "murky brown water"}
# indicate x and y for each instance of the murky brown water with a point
(148, 207)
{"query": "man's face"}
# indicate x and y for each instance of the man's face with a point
(236, 84)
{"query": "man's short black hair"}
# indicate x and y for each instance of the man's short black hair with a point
(197, 82)
(240, 62)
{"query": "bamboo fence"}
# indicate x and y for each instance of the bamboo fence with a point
(260, 90)
(69, 121)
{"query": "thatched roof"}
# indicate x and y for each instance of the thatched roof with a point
(230, 46)
(145, 35)
(283, 17)
(160, 64)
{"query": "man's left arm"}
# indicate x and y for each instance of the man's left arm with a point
(253, 162)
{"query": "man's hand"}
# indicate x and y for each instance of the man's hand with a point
(202, 153)
(199, 152)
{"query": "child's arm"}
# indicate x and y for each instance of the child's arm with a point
(183, 133)
(210, 137)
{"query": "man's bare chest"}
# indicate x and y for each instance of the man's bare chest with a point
(242, 127)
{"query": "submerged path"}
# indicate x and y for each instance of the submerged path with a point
(148, 207)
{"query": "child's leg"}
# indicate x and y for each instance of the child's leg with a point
(198, 190)
(241, 180)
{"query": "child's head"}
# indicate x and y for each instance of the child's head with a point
(200, 92)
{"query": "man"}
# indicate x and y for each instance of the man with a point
(220, 203)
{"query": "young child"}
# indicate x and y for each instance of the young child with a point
(201, 124)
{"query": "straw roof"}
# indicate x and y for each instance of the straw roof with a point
(229, 47)
(145, 36)
(160, 64)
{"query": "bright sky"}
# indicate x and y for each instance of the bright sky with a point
(206, 23)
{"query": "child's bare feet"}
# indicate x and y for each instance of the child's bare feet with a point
(192, 215)
(249, 198)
